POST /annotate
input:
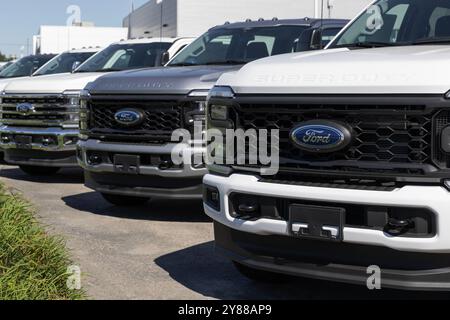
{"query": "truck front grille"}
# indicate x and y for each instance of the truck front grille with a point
(386, 138)
(160, 120)
(45, 111)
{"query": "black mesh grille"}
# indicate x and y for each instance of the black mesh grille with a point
(160, 120)
(395, 135)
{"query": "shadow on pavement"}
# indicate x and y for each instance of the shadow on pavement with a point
(201, 270)
(72, 176)
(156, 210)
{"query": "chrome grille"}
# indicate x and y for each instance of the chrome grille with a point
(47, 111)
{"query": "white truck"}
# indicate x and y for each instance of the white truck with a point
(40, 115)
(363, 185)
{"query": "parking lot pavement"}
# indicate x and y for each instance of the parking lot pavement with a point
(160, 251)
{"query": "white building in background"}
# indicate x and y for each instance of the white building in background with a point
(186, 18)
(57, 39)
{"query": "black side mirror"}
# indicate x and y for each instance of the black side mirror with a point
(75, 65)
(316, 40)
(165, 57)
(34, 69)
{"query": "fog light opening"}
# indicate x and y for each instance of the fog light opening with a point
(211, 197)
(95, 159)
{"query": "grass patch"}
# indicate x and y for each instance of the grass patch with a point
(33, 264)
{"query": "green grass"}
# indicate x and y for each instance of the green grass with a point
(33, 264)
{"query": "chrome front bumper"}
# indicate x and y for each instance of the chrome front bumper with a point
(44, 139)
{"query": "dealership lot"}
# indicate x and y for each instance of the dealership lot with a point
(161, 251)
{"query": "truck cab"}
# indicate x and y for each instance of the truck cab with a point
(25, 66)
(362, 179)
(40, 115)
(128, 118)
(62, 63)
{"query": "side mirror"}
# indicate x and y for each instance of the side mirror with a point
(316, 40)
(34, 69)
(165, 57)
(75, 65)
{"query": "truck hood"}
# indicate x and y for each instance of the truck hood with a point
(51, 84)
(5, 82)
(391, 70)
(168, 80)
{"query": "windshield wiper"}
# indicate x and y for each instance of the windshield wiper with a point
(108, 70)
(232, 62)
(182, 64)
(368, 44)
(431, 41)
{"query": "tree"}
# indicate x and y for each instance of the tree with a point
(4, 58)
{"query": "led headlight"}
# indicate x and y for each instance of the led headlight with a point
(219, 112)
(84, 96)
(196, 111)
(221, 92)
(73, 98)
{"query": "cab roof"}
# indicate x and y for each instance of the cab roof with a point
(148, 40)
(307, 22)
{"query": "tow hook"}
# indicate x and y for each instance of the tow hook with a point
(165, 165)
(248, 209)
(397, 227)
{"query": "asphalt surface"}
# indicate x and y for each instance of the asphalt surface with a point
(163, 250)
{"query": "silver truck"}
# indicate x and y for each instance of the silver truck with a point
(127, 119)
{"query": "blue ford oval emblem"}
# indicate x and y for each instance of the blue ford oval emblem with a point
(129, 117)
(321, 136)
(25, 108)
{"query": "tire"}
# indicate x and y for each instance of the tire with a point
(260, 275)
(39, 171)
(124, 201)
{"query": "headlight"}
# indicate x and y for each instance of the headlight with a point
(221, 92)
(219, 112)
(196, 112)
(84, 112)
(73, 98)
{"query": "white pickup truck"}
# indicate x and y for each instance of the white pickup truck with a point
(363, 185)
(40, 115)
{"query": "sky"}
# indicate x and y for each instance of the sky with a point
(20, 19)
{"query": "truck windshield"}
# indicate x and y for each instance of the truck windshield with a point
(239, 45)
(63, 63)
(25, 67)
(397, 23)
(120, 57)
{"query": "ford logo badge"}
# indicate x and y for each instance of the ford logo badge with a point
(25, 108)
(129, 117)
(321, 136)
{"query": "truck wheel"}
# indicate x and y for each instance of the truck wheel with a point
(124, 201)
(260, 275)
(39, 171)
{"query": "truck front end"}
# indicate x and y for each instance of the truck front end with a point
(126, 146)
(39, 130)
(362, 187)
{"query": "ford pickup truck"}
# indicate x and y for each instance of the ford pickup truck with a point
(363, 180)
(40, 115)
(127, 119)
